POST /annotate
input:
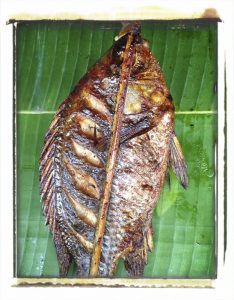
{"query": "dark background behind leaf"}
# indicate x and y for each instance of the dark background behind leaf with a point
(51, 57)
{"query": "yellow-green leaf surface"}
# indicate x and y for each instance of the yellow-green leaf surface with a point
(51, 57)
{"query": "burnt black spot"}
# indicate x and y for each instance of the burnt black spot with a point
(169, 97)
(118, 48)
(137, 39)
(127, 170)
(147, 187)
(120, 45)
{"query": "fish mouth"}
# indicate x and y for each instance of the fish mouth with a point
(129, 27)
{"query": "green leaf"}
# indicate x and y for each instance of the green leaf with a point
(51, 57)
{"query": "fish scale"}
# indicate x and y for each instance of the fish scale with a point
(74, 157)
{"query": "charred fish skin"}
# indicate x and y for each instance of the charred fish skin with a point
(73, 160)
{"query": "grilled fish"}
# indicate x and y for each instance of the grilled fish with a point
(74, 156)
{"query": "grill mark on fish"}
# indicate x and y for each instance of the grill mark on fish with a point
(89, 128)
(83, 212)
(97, 106)
(83, 181)
(87, 155)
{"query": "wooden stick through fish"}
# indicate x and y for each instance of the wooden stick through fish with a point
(113, 150)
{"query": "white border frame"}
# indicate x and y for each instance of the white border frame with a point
(223, 286)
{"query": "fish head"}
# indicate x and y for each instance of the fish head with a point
(147, 88)
(121, 41)
(129, 27)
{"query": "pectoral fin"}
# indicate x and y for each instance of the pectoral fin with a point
(177, 161)
(135, 129)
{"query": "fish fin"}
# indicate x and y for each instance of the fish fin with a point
(150, 238)
(70, 243)
(133, 130)
(64, 257)
(135, 261)
(177, 161)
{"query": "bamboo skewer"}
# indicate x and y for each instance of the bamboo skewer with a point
(113, 150)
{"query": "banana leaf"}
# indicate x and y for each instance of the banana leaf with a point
(51, 57)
